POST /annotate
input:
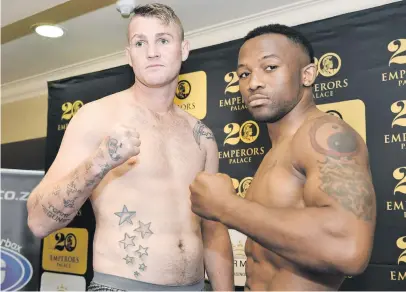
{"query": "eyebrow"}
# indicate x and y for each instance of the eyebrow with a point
(158, 35)
(263, 58)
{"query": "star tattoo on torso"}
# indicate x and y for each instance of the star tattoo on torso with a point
(142, 251)
(128, 240)
(144, 229)
(125, 215)
(128, 259)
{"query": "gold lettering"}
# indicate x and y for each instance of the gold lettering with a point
(396, 138)
(221, 103)
(316, 87)
(384, 77)
(401, 82)
(345, 82)
(393, 75)
(389, 206)
(403, 146)
(331, 85)
(393, 275)
(402, 73)
(402, 277)
(399, 206)
(323, 86)
(387, 139)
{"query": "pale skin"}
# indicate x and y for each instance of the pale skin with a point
(309, 212)
(134, 154)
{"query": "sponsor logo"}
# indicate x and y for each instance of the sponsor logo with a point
(16, 270)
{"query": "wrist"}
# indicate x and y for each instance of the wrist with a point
(226, 217)
(97, 166)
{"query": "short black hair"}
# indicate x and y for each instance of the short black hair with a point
(292, 34)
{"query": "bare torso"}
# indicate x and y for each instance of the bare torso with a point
(281, 186)
(145, 229)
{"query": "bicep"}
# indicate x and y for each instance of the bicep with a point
(75, 147)
(335, 160)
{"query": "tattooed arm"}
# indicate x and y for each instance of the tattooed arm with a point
(81, 163)
(334, 232)
(218, 254)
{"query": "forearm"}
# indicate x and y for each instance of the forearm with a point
(309, 237)
(218, 256)
(54, 205)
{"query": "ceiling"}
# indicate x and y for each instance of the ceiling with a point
(94, 28)
(97, 33)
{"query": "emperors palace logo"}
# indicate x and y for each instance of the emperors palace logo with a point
(397, 49)
(398, 108)
(191, 93)
(328, 66)
(16, 270)
(66, 251)
(398, 275)
(399, 174)
(245, 133)
(232, 97)
(242, 186)
(69, 109)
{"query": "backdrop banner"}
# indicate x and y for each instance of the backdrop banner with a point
(20, 249)
(361, 61)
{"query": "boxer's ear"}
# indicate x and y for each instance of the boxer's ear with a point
(309, 74)
(185, 50)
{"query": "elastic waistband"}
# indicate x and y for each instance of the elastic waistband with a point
(134, 285)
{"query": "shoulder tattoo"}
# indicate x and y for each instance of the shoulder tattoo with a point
(200, 131)
(341, 177)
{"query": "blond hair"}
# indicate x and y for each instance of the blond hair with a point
(160, 11)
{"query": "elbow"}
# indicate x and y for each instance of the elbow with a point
(36, 229)
(354, 259)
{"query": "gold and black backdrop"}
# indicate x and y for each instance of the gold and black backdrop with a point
(361, 60)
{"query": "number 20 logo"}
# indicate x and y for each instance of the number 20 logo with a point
(70, 109)
(400, 175)
(397, 47)
(399, 108)
(67, 242)
(401, 243)
(248, 132)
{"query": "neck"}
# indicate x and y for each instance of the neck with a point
(290, 123)
(156, 99)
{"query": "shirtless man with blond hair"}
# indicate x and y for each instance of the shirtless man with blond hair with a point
(310, 211)
(134, 155)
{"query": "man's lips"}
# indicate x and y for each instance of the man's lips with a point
(257, 99)
(155, 65)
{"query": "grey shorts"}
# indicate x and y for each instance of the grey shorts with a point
(105, 282)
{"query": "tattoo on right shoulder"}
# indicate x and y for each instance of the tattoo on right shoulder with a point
(201, 130)
(341, 177)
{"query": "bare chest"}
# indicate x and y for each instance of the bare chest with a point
(169, 149)
(276, 183)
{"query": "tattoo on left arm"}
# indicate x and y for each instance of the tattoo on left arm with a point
(201, 130)
(55, 214)
(341, 176)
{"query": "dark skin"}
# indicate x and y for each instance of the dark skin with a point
(309, 213)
